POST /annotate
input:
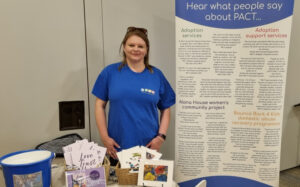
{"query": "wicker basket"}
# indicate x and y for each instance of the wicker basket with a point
(125, 177)
(106, 165)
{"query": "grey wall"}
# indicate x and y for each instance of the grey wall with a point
(43, 61)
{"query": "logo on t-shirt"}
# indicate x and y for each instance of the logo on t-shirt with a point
(147, 91)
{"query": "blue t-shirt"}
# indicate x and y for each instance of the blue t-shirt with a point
(134, 100)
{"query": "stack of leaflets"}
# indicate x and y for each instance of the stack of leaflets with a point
(131, 158)
(146, 162)
(83, 155)
(87, 178)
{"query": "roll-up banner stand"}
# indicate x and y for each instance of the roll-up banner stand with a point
(231, 64)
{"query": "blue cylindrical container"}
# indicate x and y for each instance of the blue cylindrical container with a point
(29, 167)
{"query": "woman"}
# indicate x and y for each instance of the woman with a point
(135, 90)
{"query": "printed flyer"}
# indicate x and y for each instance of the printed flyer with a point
(231, 64)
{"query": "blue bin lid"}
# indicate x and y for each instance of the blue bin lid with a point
(26, 157)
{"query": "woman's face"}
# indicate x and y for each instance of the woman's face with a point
(135, 49)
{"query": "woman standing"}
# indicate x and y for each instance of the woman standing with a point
(135, 91)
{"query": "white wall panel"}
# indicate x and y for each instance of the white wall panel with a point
(95, 56)
(42, 62)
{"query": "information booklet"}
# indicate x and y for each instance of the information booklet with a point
(89, 178)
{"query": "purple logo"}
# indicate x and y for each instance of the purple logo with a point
(94, 175)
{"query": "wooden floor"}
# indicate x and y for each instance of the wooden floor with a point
(290, 177)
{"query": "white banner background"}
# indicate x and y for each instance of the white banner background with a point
(230, 86)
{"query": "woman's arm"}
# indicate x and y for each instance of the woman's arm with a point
(100, 115)
(163, 128)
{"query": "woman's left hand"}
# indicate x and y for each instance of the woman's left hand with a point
(156, 143)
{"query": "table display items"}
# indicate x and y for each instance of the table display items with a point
(27, 168)
(83, 155)
(86, 164)
(131, 158)
(156, 173)
(141, 165)
(94, 177)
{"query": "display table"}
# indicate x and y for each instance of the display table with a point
(58, 175)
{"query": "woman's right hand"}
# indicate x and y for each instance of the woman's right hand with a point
(110, 144)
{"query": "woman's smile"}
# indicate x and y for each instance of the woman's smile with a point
(135, 49)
